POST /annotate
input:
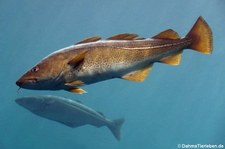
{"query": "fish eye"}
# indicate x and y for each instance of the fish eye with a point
(35, 69)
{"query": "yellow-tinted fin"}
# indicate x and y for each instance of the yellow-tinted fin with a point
(77, 59)
(167, 34)
(91, 39)
(201, 35)
(75, 83)
(139, 75)
(173, 59)
(77, 90)
(125, 36)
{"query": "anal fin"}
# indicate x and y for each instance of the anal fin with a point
(172, 60)
(139, 75)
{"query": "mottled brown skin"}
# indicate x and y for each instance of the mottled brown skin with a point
(101, 57)
(49, 73)
(106, 55)
(94, 60)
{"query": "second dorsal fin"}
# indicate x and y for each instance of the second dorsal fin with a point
(125, 36)
(167, 34)
(90, 39)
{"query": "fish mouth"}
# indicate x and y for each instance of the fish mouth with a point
(22, 82)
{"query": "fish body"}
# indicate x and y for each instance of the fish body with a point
(68, 112)
(121, 56)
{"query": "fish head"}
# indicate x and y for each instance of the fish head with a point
(46, 75)
(36, 103)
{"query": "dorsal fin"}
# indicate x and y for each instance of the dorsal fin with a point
(101, 113)
(125, 36)
(167, 34)
(91, 39)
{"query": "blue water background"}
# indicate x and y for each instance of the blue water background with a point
(175, 105)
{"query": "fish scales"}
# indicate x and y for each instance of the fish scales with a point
(123, 56)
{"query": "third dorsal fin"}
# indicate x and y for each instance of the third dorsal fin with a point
(125, 36)
(91, 39)
(167, 34)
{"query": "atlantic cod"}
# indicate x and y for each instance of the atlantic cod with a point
(122, 56)
(69, 112)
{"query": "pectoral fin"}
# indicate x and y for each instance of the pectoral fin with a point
(75, 83)
(172, 60)
(139, 75)
(73, 87)
(78, 59)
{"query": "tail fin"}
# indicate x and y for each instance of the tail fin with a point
(201, 36)
(115, 127)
